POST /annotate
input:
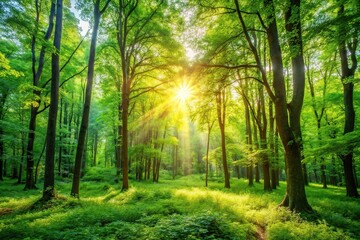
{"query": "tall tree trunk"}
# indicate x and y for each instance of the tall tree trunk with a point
(60, 137)
(30, 184)
(3, 98)
(158, 162)
(95, 147)
(19, 181)
(256, 147)
(1, 153)
(295, 198)
(125, 135)
(207, 158)
(49, 185)
(118, 148)
(250, 167)
(273, 163)
(348, 88)
(67, 136)
(263, 142)
(209, 127)
(86, 111)
(221, 110)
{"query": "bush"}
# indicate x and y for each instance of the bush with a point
(304, 230)
(205, 225)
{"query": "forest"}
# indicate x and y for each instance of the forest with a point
(179, 119)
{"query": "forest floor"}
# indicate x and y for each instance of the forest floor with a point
(173, 209)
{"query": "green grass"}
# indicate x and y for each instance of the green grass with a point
(173, 209)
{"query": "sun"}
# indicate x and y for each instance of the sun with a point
(183, 93)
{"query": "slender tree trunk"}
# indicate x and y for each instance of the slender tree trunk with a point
(263, 142)
(273, 163)
(30, 184)
(256, 146)
(60, 137)
(250, 167)
(22, 158)
(1, 153)
(95, 147)
(125, 134)
(87, 103)
(49, 184)
(323, 175)
(175, 162)
(210, 125)
(221, 106)
(65, 148)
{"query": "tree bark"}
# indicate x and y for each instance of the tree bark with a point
(348, 88)
(86, 111)
(60, 137)
(95, 147)
(295, 198)
(30, 184)
(1, 153)
(221, 109)
(250, 167)
(49, 184)
(209, 127)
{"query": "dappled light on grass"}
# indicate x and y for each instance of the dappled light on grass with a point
(176, 209)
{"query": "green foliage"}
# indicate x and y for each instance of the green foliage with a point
(297, 231)
(203, 225)
(173, 209)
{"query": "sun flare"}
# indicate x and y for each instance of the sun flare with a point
(183, 93)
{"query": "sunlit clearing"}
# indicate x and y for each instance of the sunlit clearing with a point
(183, 93)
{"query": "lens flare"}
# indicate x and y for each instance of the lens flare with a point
(183, 93)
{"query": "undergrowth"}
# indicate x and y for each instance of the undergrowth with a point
(172, 209)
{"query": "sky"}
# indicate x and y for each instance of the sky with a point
(83, 25)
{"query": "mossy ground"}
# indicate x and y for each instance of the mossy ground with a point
(173, 209)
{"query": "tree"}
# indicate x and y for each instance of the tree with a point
(86, 110)
(347, 75)
(140, 54)
(49, 185)
(221, 99)
(37, 72)
(287, 116)
(6, 73)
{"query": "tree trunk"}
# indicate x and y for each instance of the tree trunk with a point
(1, 153)
(95, 147)
(65, 148)
(60, 137)
(118, 148)
(86, 110)
(263, 141)
(348, 88)
(30, 184)
(296, 197)
(221, 106)
(125, 134)
(323, 175)
(19, 181)
(207, 154)
(250, 173)
(49, 185)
